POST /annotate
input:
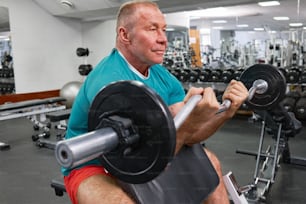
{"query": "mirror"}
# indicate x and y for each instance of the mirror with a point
(7, 83)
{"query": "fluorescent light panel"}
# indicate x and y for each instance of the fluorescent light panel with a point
(219, 21)
(269, 3)
(281, 18)
(295, 24)
(217, 27)
(242, 25)
(259, 29)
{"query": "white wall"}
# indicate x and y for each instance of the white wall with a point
(99, 38)
(43, 47)
(178, 19)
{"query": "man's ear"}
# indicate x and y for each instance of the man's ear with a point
(123, 35)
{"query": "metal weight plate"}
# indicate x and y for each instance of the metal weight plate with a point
(149, 157)
(276, 85)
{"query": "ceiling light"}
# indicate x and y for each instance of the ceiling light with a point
(304, 28)
(220, 21)
(269, 3)
(217, 27)
(295, 24)
(281, 18)
(242, 25)
(259, 29)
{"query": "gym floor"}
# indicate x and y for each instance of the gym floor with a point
(26, 170)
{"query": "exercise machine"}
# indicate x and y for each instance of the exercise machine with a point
(282, 125)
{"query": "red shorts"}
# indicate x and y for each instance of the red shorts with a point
(76, 176)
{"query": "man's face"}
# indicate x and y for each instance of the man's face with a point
(148, 40)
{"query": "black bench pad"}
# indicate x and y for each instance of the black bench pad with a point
(189, 179)
(59, 115)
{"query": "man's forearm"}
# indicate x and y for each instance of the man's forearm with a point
(186, 135)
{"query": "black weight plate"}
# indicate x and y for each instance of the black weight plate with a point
(149, 157)
(276, 85)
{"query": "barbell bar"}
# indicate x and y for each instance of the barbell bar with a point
(133, 134)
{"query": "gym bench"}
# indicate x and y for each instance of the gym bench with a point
(60, 116)
(59, 187)
(28, 109)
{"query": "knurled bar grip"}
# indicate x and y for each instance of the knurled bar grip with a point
(259, 86)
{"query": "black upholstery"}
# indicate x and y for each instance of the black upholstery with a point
(190, 178)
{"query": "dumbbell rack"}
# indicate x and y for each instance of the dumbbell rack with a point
(7, 82)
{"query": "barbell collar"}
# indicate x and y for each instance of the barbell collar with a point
(259, 86)
(78, 150)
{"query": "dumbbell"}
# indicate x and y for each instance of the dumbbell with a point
(227, 75)
(193, 76)
(45, 134)
(293, 75)
(42, 143)
(85, 69)
(183, 75)
(303, 77)
(204, 75)
(133, 134)
(290, 100)
(215, 75)
(81, 52)
(168, 62)
(237, 73)
(300, 107)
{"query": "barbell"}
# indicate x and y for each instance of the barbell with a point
(133, 134)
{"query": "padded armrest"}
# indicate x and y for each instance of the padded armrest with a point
(190, 178)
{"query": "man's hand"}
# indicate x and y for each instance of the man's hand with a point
(237, 93)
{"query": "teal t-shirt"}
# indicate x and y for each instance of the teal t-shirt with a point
(115, 68)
